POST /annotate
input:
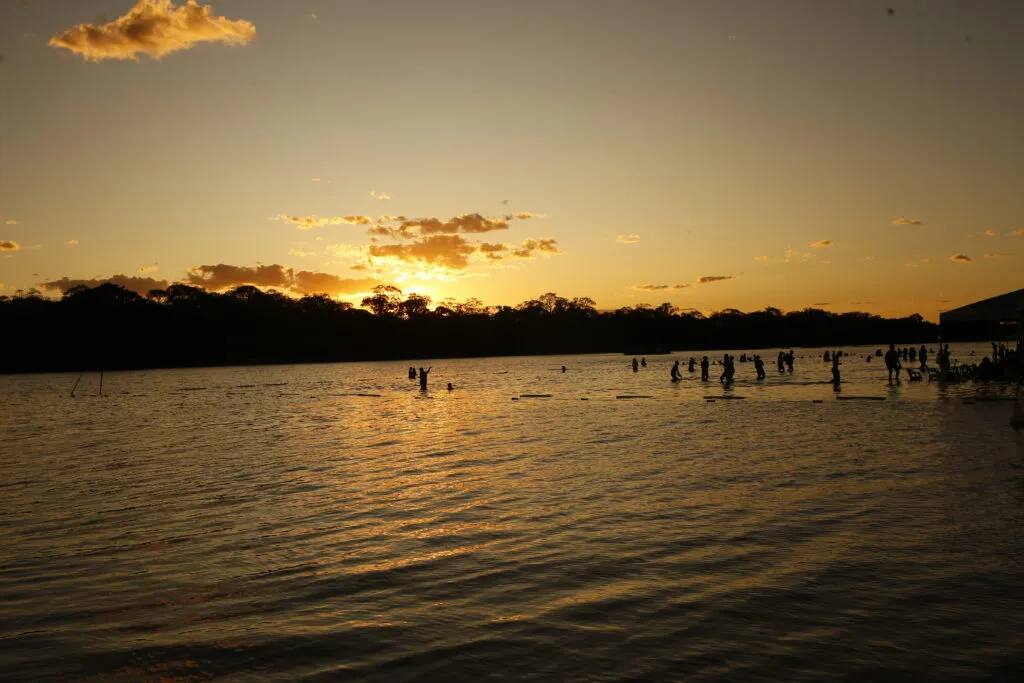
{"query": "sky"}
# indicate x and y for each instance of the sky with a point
(848, 155)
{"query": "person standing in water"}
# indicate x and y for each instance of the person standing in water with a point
(781, 362)
(759, 367)
(704, 369)
(789, 361)
(892, 363)
(676, 376)
(412, 372)
(636, 366)
(423, 377)
(923, 355)
(643, 362)
(835, 371)
(692, 367)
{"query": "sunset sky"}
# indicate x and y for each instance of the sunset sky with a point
(709, 153)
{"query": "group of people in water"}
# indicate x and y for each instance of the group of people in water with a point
(894, 361)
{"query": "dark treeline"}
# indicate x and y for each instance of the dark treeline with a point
(108, 327)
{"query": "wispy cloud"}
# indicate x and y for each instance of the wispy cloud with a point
(926, 261)
(468, 223)
(310, 222)
(762, 259)
(155, 28)
(990, 233)
(910, 265)
(383, 196)
(300, 253)
(148, 269)
(961, 258)
(71, 243)
(1017, 233)
(997, 255)
(707, 279)
(8, 245)
(627, 239)
(821, 244)
(11, 221)
(658, 288)
(906, 221)
(525, 216)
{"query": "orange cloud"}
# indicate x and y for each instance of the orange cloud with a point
(153, 27)
(11, 221)
(906, 221)
(448, 251)
(992, 256)
(627, 239)
(821, 244)
(383, 196)
(961, 258)
(990, 233)
(762, 259)
(148, 269)
(714, 278)
(139, 285)
(71, 243)
(1017, 233)
(526, 215)
(7, 245)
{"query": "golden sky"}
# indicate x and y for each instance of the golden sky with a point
(709, 153)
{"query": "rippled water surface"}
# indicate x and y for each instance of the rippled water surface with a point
(272, 523)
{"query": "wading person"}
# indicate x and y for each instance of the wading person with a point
(423, 377)
(892, 363)
(704, 369)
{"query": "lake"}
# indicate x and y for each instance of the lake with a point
(273, 524)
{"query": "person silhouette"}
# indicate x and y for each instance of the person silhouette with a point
(450, 387)
(412, 373)
(835, 371)
(636, 365)
(759, 366)
(423, 377)
(781, 362)
(643, 362)
(789, 361)
(563, 368)
(892, 363)
(704, 369)
(676, 376)
(923, 355)
(693, 364)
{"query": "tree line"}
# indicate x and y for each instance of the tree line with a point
(109, 327)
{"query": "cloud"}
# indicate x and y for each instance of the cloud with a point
(627, 239)
(468, 223)
(526, 215)
(71, 243)
(926, 260)
(383, 196)
(11, 221)
(1017, 233)
(998, 255)
(7, 245)
(961, 258)
(148, 269)
(906, 221)
(822, 303)
(448, 251)
(706, 279)
(658, 288)
(990, 233)
(223, 276)
(910, 265)
(310, 222)
(139, 285)
(530, 246)
(790, 254)
(153, 27)
(821, 244)
(762, 259)
(300, 254)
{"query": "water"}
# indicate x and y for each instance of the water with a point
(268, 524)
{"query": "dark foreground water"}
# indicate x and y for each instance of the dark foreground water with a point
(270, 524)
